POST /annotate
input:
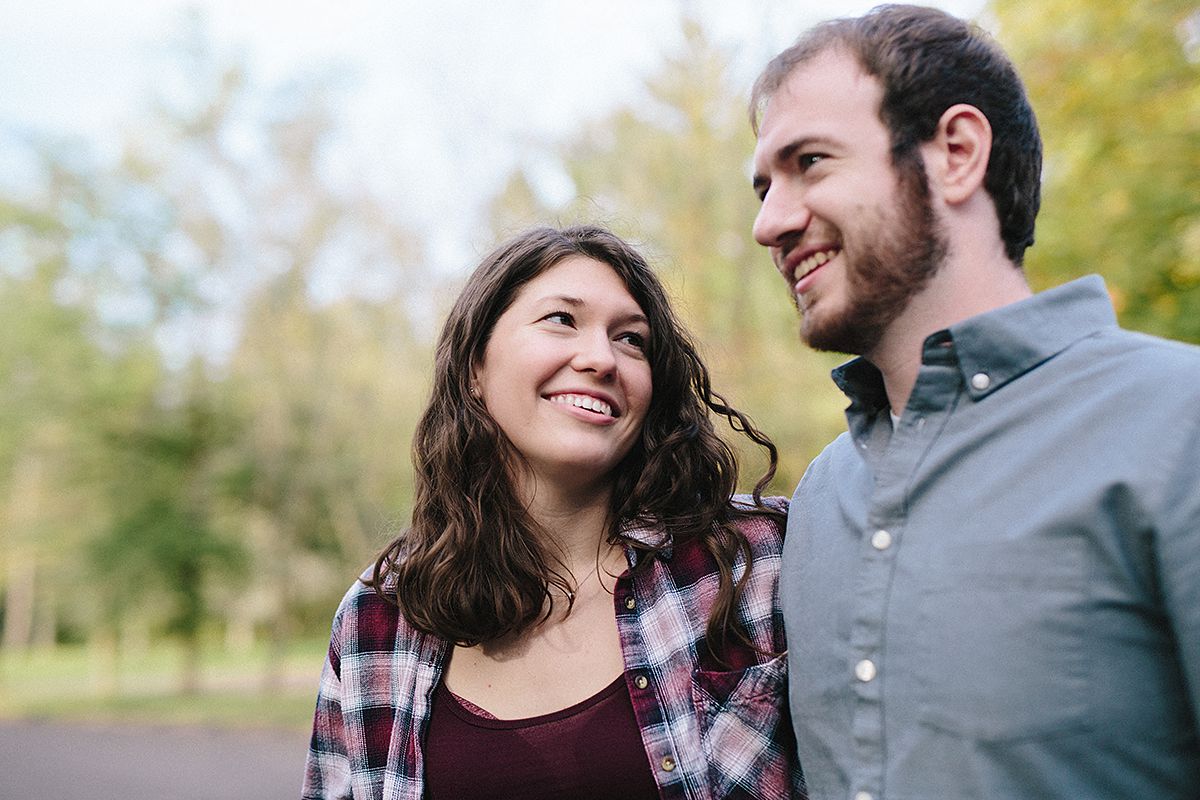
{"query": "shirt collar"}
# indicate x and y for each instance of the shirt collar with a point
(995, 347)
(1009, 341)
(648, 533)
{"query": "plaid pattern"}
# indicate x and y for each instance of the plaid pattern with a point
(711, 731)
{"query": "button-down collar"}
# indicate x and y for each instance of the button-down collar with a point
(993, 348)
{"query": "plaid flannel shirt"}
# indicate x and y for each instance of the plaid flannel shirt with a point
(710, 731)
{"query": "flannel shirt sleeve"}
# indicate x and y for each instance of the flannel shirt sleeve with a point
(327, 768)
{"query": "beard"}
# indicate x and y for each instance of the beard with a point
(884, 273)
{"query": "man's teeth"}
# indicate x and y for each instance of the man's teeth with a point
(583, 401)
(812, 262)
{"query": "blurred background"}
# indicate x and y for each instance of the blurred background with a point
(229, 231)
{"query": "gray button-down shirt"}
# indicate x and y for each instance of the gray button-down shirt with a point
(1000, 598)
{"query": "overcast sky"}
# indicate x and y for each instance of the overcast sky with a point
(444, 97)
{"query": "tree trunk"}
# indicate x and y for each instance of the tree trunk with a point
(18, 602)
(23, 507)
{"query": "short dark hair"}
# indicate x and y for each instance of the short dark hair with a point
(928, 60)
(472, 567)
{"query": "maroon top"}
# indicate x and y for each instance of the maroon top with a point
(589, 751)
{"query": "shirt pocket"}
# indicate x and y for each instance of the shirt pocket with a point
(1003, 634)
(740, 714)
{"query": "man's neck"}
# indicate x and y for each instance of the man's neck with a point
(953, 295)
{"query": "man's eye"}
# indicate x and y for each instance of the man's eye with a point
(809, 159)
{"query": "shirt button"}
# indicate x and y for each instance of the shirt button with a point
(881, 540)
(863, 796)
(641, 682)
(668, 764)
(630, 603)
(980, 381)
(865, 670)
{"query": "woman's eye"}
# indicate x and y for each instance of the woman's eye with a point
(635, 339)
(559, 318)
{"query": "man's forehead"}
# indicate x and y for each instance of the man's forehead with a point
(832, 69)
(826, 87)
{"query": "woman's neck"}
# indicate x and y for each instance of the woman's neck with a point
(577, 522)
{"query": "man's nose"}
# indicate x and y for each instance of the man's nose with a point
(783, 214)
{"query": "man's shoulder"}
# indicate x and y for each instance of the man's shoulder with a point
(1149, 344)
(1136, 358)
(837, 456)
(839, 465)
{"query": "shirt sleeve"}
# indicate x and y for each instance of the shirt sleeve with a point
(327, 768)
(1179, 558)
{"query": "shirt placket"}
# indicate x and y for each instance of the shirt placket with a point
(669, 773)
(894, 456)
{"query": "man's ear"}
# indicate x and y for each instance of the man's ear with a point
(957, 156)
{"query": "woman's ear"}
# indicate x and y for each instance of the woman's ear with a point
(957, 156)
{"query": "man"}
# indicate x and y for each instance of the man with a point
(992, 581)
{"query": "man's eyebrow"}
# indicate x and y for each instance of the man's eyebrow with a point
(786, 153)
(780, 156)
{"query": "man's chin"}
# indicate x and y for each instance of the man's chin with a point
(838, 335)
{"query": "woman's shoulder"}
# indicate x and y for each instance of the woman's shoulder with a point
(745, 502)
(762, 524)
(369, 623)
(364, 605)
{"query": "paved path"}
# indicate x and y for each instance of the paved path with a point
(58, 761)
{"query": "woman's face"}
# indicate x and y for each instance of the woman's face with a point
(565, 373)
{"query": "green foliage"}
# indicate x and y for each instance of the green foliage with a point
(55, 378)
(1116, 87)
(193, 479)
(163, 550)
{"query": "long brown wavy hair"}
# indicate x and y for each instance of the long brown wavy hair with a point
(473, 566)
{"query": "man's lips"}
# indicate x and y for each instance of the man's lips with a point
(804, 263)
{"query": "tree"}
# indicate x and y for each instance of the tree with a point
(1116, 88)
(46, 367)
(58, 380)
(223, 320)
(164, 550)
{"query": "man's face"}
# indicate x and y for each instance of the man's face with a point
(854, 237)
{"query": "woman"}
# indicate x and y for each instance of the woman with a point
(578, 609)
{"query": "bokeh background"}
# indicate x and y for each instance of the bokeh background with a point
(229, 231)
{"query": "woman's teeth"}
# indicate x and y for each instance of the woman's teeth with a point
(583, 401)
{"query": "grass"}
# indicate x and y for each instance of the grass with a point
(245, 689)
